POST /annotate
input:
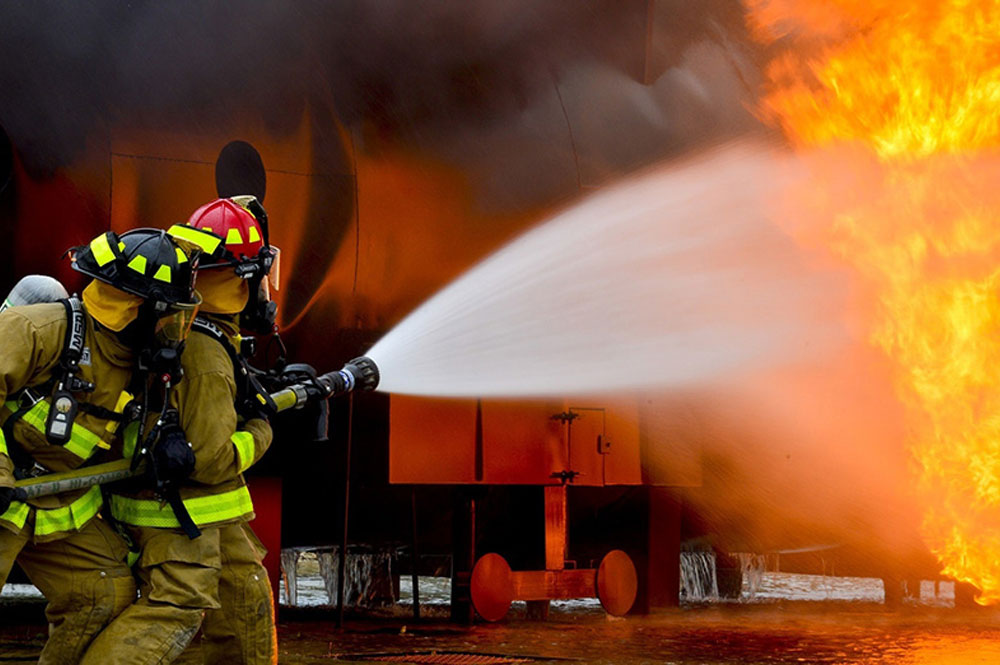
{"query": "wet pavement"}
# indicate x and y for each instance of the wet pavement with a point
(780, 634)
(784, 632)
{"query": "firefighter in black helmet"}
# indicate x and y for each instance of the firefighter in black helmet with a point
(65, 372)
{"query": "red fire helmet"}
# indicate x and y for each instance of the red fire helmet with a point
(232, 222)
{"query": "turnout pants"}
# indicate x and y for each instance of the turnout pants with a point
(242, 631)
(83, 576)
(215, 582)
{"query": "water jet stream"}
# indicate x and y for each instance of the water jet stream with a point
(673, 277)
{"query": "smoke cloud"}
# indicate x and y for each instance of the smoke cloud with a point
(409, 69)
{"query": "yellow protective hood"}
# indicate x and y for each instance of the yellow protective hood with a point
(113, 308)
(222, 292)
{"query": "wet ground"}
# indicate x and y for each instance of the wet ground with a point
(789, 619)
(787, 632)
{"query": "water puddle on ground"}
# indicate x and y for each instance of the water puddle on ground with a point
(780, 633)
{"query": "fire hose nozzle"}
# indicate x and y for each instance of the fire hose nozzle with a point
(365, 372)
(358, 374)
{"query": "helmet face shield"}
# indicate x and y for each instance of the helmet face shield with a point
(173, 327)
(264, 291)
(260, 313)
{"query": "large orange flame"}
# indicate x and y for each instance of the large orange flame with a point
(904, 97)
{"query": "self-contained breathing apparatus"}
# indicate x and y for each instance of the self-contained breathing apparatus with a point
(63, 405)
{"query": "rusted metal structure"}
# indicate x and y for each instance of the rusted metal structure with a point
(556, 446)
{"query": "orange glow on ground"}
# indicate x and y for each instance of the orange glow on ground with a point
(899, 99)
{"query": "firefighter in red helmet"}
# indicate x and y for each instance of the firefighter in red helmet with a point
(217, 581)
(241, 222)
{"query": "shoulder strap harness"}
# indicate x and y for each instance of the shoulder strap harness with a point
(61, 386)
(248, 388)
(62, 413)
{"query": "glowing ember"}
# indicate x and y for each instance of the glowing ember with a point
(902, 98)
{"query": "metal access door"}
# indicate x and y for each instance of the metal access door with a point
(587, 440)
(602, 444)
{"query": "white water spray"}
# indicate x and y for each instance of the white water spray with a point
(672, 278)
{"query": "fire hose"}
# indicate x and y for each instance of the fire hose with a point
(359, 374)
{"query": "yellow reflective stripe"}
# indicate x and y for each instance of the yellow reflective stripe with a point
(254, 234)
(81, 440)
(17, 514)
(71, 517)
(9, 408)
(138, 264)
(123, 399)
(206, 240)
(163, 273)
(36, 415)
(3, 443)
(233, 237)
(100, 248)
(181, 256)
(203, 509)
(244, 448)
(130, 436)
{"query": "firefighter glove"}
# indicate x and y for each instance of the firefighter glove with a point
(173, 459)
(6, 496)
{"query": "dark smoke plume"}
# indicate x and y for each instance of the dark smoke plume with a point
(71, 70)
